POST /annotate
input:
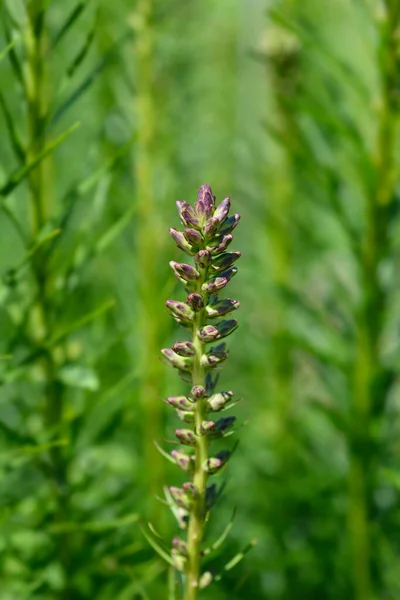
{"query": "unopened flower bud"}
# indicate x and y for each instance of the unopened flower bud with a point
(214, 285)
(221, 307)
(187, 214)
(205, 580)
(190, 488)
(181, 242)
(184, 348)
(187, 416)
(184, 271)
(229, 225)
(209, 333)
(207, 427)
(180, 546)
(180, 497)
(204, 205)
(222, 210)
(220, 244)
(193, 236)
(216, 402)
(176, 361)
(225, 260)
(215, 463)
(211, 227)
(203, 258)
(183, 461)
(180, 310)
(197, 392)
(178, 560)
(195, 301)
(180, 402)
(186, 436)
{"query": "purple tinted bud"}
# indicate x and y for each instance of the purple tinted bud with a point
(214, 285)
(220, 245)
(184, 271)
(187, 214)
(180, 402)
(215, 463)
(182, 517)
(190, 488)
(197, 392)
(180, 546)
(179, 362)
(183, 461)
(222, 210)
(207, 427)
(217, 402)
(209, 333)
(229, 224)
(193, 237)
(180, 497)
(184, 348)
(204, 205)
(181, 242)
(195, 301)
(203, 258)
(221, 307)
(180, 310)
(211, 227)
(186, 436)
(213, 358)
(225, 260)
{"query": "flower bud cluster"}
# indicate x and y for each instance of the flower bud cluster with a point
(206, 236)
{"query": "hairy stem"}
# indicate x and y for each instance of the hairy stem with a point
(196, 517)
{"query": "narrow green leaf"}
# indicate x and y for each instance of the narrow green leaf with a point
(13, 56)
(223, 536)
(8, 48)
(20, 174)
(80, 57)
(160, 551)
(81, 322)
(69, 22)
(172, 584)
(165, 454)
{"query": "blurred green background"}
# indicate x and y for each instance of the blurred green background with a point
(290, 108)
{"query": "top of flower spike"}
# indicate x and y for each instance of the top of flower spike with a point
(205, 203)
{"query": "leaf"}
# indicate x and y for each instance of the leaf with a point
(58, 337)
(236, 559)
(20, 174)
(79, 376)
(160, 551)
(70, 20)
(17, 12)
(172, 584)
(8, 48)
(223, 536)
(94, 525)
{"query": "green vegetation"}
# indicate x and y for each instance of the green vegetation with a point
(109, 113)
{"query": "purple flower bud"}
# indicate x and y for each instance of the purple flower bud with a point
(220, 244)
(221, 307)
(217, 402)
(229, 224)
(186, 416)
(213, 358)
(180, 310)
(225, 260)
(184, 271)
(203, 258)
(187, 214)
(183, 461)
(204, 205)
(180, 546)
(181, 242)
(211, 227)
(211, 496)
(222, 210)
(197, 392)
(179, 362)
(193, 237)
(180, 402)
(186, 436)
(215, 463)
(207, 427)
(195, 301)
(214, 285)
(180, 497)
(190, 488)
(209, 333)
(184, 348)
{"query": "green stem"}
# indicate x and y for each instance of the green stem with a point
(196, 517)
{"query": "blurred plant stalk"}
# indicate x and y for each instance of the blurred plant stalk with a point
(369, 370)
(148, 249)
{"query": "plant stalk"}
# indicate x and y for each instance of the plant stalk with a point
(196, 516)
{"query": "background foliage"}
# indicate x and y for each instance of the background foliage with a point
(109, 113)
